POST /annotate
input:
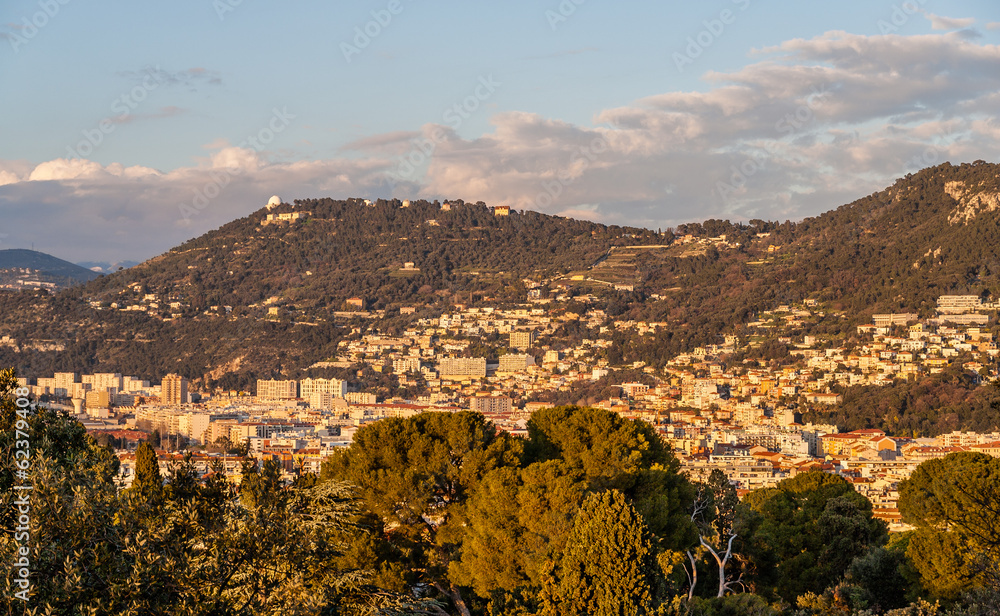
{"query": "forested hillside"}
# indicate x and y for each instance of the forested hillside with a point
(202, 309)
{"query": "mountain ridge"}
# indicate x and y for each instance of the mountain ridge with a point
(270, 298)
(40, 269)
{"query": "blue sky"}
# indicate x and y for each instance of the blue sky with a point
(126, 123)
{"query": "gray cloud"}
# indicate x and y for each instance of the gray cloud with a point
(190, 78)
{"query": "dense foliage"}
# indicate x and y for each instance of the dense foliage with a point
(442, 514)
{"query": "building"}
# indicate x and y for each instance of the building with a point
(98, 399)
(103, 380)
(174, 389)
(193, 426)
(356, 302)
(406, 365)
(490, 405)
(461, 368)
(966, 319)
(885, 320)
(277, 390)
(334, 387)
(523, 340)
(501, 210)
(958, 304)
(286, 217)
(634, 389)
(824, 398)
(515, 362)
(65, 381)
(359, 397)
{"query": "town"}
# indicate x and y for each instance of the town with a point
(742, 419)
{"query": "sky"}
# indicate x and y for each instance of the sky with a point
(131, 127)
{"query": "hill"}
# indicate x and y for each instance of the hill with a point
(204, 308)
(260, 297)
(21, 268)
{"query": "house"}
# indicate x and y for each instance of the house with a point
(356, 302)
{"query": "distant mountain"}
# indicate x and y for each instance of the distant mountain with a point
(21, 268)
(261, 297)
(103, 267)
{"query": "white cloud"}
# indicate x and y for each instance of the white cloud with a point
(807, 126)
(948, 23)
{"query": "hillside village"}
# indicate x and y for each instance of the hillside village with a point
(744, 418)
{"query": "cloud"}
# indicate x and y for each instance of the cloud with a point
(948, 23)
(993, 25)
(190, 78)
(81, 210)
(396, 142)
(808, 125)
(169, 111)
(814, 124)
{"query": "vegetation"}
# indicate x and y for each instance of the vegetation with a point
(442, 514)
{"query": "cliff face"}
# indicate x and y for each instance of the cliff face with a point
(972, 201)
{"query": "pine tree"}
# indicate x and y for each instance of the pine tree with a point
(609, 567)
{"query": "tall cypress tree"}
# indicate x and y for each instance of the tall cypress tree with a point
(148, 485)
(609, 567)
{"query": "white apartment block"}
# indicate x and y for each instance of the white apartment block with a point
(462, 367)
(277, 390)
(334, 387)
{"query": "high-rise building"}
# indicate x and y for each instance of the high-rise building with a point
(104, 380)
(98, 399)
(65, 380)
(174, 389)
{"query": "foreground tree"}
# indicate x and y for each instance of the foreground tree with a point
(609, 567)
(416, 475)
(954, 502)
(627, 455)
(714, 512)
(97, 552)
(806, 531)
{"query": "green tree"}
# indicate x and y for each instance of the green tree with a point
(147, 485)
(609, 567)
(806, 531)
(416, 474)
(954, 503)
(517, 523)
(880, 579)
(624, 454)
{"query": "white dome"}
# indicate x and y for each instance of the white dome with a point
(273, 201)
